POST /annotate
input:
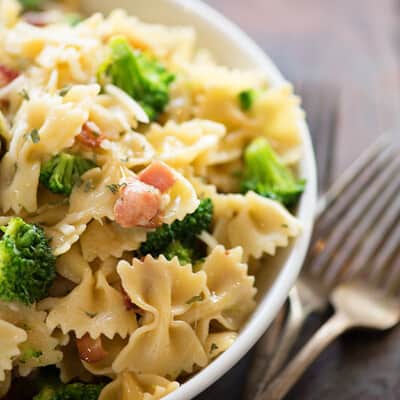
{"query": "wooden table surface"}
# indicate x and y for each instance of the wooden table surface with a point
(343, 56)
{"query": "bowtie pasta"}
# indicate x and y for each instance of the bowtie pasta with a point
(140, 183)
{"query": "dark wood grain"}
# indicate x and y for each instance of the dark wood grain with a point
(351, 49)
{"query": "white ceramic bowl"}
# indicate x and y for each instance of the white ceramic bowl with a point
(232, 47)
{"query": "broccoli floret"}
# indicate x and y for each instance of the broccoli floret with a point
(31, 5)
(177, 249)
(157, 241)
(180, 237)
(71, 391)
(266, 175)
(63, 171)
(246, 99)
(195, 223)
(141, 77)
(27, 264)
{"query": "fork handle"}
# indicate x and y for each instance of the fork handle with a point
(297, 314)
(328, 332)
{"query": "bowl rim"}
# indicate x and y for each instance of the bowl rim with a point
(269, 306)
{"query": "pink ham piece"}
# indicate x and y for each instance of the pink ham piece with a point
(90, 350)
(139, 204)
(7, 75)
(159, 175)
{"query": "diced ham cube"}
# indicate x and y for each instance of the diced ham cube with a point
(7, 75)
(90, 350)
(159, 175)
(90, 135)
(138, 204)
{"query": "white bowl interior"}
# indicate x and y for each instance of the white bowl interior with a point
(232, 47)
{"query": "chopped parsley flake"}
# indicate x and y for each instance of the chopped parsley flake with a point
(199, 297)
(114, 187)
(34, 135)
(213, 347)
(64, 91)
(88, 186)
(90, 315)
(24, 94)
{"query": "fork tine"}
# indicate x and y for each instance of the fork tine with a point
(375, 241)
(356, 190)
(374, 225)
(372, 195)
(378, 228)
(385, 271)
(350, 174)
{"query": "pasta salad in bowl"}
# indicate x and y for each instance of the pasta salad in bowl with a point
(157, 191)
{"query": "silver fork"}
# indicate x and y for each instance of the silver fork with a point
(378, 168)
(357, 304)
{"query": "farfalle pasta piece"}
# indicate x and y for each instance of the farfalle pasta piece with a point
(91, 200)
(132, 149)
(75, 54)
(204, 75)
(9, 12)
(131, 386)
(229, 150)
(9, 94)
(10, 338)
(5, 128)
(217, 343)
(171, 44)
(93, 307)
(49, 212)
(180, 199)
(40, 348)
(257, 224)
(40, 129)
(181, 144)
(105, 239)
(72, 265)
(231, 291)
(164, 290)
